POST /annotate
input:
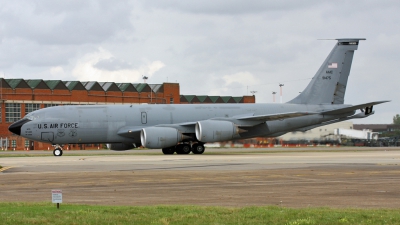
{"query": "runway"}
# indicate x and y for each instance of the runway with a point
(353, 178)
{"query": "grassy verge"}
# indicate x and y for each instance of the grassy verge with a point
(47, 213)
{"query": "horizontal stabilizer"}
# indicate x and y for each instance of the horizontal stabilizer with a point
(351, 108)
(278, 116)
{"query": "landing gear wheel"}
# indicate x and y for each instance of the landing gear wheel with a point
(57, 152)
(168, 151)
(198, 149)
(183, 149)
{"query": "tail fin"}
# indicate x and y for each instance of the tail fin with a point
(328, 86)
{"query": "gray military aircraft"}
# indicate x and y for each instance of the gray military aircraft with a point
(185, 128)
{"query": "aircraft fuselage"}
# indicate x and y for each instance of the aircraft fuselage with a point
(100, 124)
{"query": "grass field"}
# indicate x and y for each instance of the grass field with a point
(47, 213)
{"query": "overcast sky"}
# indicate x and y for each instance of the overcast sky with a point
(211, 47)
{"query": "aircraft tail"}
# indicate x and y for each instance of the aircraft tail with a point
(328, 86)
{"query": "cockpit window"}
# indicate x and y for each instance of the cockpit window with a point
(32, 116)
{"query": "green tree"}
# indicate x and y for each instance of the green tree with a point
(396, 119)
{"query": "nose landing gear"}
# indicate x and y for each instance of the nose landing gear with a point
(58, 151)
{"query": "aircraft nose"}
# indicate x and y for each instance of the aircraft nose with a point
(16, 127)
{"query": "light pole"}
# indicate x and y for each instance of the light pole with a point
(253, 92)
(280, 86)
(145, 78)
(273, 96)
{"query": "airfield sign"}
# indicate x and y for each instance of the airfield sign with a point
(56, 197)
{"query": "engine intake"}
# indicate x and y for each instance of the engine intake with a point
(214, 130)
(160, 137)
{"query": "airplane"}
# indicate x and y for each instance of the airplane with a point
(186, 128)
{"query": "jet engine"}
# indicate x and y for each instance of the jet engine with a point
(120, 146)
(214, 130)
(160, 137)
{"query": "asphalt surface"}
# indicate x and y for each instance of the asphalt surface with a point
(300, 177)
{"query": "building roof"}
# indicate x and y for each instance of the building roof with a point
(17, 83)
(216, 99)
(157, 87)
(226, 98)
(210, 99)
(81, 85)
(126, 87)
(238, 99)
(92, 86)
(56, 84)
(203, 98)
(37, 84)
(4, 83)
(109, 86)
(142, 87)
(74, 85)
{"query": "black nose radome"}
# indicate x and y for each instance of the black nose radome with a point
(16, 127)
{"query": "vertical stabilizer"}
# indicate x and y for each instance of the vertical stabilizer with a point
(328, 86)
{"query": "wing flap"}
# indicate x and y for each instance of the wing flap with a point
(278, 116)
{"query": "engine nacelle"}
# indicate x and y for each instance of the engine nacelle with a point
(215, 130)
(120, 146)
(160, 137)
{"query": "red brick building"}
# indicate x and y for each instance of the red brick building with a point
(20, 97)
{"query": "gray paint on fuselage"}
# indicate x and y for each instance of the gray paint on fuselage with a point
(100, 124)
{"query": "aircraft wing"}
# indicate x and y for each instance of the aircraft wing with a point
(278, 116)
(353, 108)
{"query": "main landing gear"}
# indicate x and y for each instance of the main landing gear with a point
(58, 151)
(183, 149)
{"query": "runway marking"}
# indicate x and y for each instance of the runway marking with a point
(5, 168)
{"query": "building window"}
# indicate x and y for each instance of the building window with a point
(14, 143)
(26, 143)
(50, 105)
(171, 100)
(13, 112)
(31, 107)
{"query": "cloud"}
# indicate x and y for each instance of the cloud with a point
(209, 47)
(87, 69)
(229, 6)
(64, 22)
(57, 70)
(112, 63)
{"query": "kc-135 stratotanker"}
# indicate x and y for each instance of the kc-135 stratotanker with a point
(186, 128)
